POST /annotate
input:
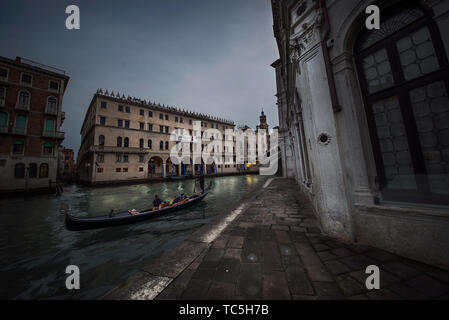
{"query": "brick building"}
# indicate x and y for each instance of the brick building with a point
(30, 119)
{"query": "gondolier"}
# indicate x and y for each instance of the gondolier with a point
(201, 180)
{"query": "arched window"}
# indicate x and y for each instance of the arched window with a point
(150, 144)
(126, 142)
(19, 171)
(43, 170)
(3, 122)
(404, 75)
(23, 101)
(52, 105)
(101, 140)
(161, 145)
(32, 171)
(119, 141)
(166, 145)
(141, 143)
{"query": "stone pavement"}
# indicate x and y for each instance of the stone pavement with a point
(275, 250)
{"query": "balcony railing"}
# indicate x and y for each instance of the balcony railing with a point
(25, 107)
(3, 129)
(53, 134)
(52, 110)
(19, 131)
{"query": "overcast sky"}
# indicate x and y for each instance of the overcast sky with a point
(209, 56)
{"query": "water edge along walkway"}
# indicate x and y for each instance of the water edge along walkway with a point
(271, 247)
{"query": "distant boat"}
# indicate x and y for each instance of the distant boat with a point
(73, 223)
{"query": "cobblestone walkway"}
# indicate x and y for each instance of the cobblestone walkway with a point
(274, 250)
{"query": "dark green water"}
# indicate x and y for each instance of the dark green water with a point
(35, 247)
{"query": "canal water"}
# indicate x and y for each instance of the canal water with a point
(35, 247)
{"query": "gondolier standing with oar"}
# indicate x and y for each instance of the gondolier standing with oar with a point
(200, 178)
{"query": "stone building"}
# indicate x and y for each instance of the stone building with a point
(69, 164)
(364, 119)
(129, 139)
(31, 115)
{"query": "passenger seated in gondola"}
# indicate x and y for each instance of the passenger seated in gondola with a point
(158, 203)
(177, 199)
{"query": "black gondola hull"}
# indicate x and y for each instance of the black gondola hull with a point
(123, 218)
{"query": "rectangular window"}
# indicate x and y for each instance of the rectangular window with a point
(161, 116)
(142, 125)
(18, 147)
(150, 127)
(100, 170)
(127, 124)
(100, 158)
(140, 169)
(2, 96)
(118, 169)
(141, 158)
(181, 120)
(125, 169)
(118, 157)
(150, 114)
(26, 78)
(4, 73)
(53, 85)
(167, 129)
(190, 121)
(120, 108)
(161, 129)
(102, 121)
(120, 123)
(142, 112)
(166, 117)
(128, 109)
(125, 158)
(176, 119)
(103, 104)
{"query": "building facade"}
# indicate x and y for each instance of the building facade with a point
(69, 168)
(364, 119)
(129, 139)
(31, 115)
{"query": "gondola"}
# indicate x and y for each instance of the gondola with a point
(73, 223)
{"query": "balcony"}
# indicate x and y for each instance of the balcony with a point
(3, 129)
(19, 131)
(23, 107)
(51, 110)
(53, 134)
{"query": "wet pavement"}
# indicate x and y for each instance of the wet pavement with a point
(274, 250)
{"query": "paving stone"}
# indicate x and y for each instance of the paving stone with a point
(428, 286)
(298, 281)
(386, 278)
(298, 237)
(315, 268)
(359, 248)
(350, 286)
(298, 229)
(282, 236)
(359, 297)
(280, 227)
(203, 273)
(287, 249)
(336, 267)
(227, 271)
(358, 262)
(380, 255)
(254, 234)
(342, 252)
(400, 269)
(406, 292)
(235, 242)
(252, 251)
(249, 284)
(326, 255)
(197, 289)
(221, 291)
(291, 261)
(383, 294)
(232, 253)
(275, 286)
(321, 247)
(327, 291)
(219, 244)
(440, 275)
(334, 244)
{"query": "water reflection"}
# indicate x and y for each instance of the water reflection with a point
(35, 247)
